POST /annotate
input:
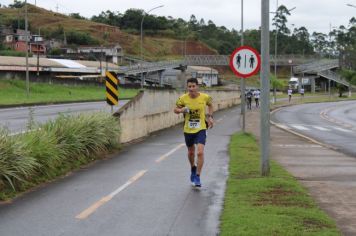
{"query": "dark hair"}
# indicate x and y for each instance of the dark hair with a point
(192, 80)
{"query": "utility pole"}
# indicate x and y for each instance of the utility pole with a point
(265, 101)
(101, 59)
(242, 80)
(38, 55)
(27, 35)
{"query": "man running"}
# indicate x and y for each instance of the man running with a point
(249, 99)
(193, 105)
(257, 94)
(290, 91)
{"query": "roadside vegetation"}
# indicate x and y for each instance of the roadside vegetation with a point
(14, 92)
(274, 205)
(50, 150)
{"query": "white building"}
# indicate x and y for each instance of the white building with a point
(206, 76)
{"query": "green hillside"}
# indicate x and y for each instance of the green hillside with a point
(55, 25)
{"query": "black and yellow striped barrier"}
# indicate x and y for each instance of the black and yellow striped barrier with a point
(112, 93)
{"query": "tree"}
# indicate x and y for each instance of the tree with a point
(319, 43)
(17, 4)
(280, 20)
(132, 19)
(193, 23)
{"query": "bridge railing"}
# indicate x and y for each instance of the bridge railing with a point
(316, 66)
(224, 60)
(333, 76)
(150, 67)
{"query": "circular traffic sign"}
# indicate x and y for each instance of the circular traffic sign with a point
(245, 61)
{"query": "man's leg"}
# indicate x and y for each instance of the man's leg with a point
(191, 155)
(189, 141)
(200, 155)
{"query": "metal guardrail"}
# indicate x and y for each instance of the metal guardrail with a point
(206, 60)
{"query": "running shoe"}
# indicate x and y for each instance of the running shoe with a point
(197, 181)
(193, 174)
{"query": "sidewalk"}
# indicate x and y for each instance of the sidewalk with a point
(329, 176)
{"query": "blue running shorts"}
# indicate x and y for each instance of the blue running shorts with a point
(199, 137)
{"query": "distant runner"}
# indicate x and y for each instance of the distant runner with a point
(256, 95)
(302, 92)
(193, 105)
(290, 91)
(249, 99)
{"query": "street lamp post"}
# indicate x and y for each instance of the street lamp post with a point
(275, 53)
(265, 113)
(143, 17)
(27, 37)
(243, 82)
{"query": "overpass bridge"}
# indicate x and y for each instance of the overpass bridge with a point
(142, 70)
(310, 66)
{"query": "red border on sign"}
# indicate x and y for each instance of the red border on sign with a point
(249, 74)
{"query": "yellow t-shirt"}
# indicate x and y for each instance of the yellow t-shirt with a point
(194, 121)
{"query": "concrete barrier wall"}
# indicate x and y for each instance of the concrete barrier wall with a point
(152, 110)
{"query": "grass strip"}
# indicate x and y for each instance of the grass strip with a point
(274, 205)
(14, 92)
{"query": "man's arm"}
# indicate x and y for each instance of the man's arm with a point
(178, 110)
(210, 116)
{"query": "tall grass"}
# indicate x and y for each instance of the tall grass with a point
(54, 148)
(15, 164)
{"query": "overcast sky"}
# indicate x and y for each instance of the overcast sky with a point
(315, 15)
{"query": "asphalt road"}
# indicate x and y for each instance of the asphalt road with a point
(331, 123)
(143, 190)
(16, 119)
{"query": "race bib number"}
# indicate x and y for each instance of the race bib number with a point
(194, 124)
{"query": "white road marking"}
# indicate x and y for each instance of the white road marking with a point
(161, 158)
(297, 146)
(320, 128)
(300, 127)
(87, 212)
(343, 130)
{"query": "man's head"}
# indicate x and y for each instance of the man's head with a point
(192, 86)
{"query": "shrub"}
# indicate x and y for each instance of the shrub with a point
(80, 38)
(15, 164)
(54, 148)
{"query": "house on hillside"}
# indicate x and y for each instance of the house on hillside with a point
(18, 39)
